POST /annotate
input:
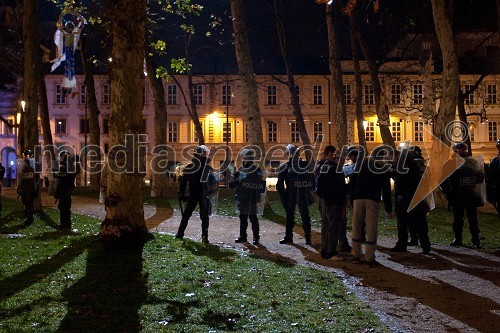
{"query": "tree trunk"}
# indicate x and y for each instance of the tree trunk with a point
(159, 186)
(30, 78)
(462, 116)
(297, 110)
(49, 148)
(250, 97)
(92, 111)
(124, 199)
(358, 90)
(381, 106)
(450, 76)
(339, 114)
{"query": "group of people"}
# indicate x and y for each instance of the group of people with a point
(28, 187)
(335, 185)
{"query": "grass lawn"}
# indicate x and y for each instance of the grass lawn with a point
(69, 282)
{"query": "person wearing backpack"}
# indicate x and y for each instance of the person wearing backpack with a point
(294, 187)
(196, 174)
(332, 198)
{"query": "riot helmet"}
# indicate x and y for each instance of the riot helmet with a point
(291, 149)
(28, 153)
(202, 151)
(63, 156)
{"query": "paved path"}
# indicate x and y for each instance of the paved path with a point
(450, 290)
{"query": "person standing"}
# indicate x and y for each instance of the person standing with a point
(27, 186)
(249, 187)
(66, 175)
(459, 189)
(407, 175)
(372, 180)
(294, 187)
(332, 199)
(493, 183)
(196, 176)
(2, 174)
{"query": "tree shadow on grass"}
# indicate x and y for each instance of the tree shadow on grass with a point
(109, 296)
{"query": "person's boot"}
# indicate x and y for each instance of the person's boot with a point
(240, 239)
(457, 242)
(412, 242)
(286, 240)
(182, 228)
(256, 240)
(204, 235)
(475, 242)
(307, 236)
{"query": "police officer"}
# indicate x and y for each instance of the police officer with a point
(196, 175)
(294, 187)
(2, 174)
(27, 187)
(249, 186)
(493, 184)
(66, 175)
(459, 189)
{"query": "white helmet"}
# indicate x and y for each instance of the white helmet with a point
(200, 150)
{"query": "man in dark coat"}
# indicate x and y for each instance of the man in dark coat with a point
(27, 186)
(460, 190)
(249, 187)
(196, 174)
(66, 175)
(294, 187)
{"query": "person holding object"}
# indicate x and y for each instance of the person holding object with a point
(196, 175)
(249, 187)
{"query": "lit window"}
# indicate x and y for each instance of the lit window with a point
(60, 125)
(370, 131)
(418, 131)
(396, 130)
(318, 132)
(226, 132)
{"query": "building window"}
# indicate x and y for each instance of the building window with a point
(6, 130)
(271, 95)
(84, 126)
(60, 98)
(294, 132)
(395, 94)
(347, 94)
(472, 128)
(60, 125)
(106, 94)
(370, 131)
(317, 94)
(171, 94)
(492, 131)
(83, 94)
(195, 134)
(396, 130)
(172, 132)
(469, 98)
(226, 95)
(105, 125)
(369, 96)
(272, 131)
(318, 132)
(226, 132)
(491, 94)
(198, 94)
(418, 131)
(418, 94)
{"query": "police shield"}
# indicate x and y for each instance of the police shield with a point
(250, 196)
(475, 179)
(25, 172)
(213, 192)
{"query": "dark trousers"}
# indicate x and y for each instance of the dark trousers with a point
(27, 199)
(458, 219)
(64, 206)
(417, 218)
(244, 225)
(188, 211)
(290, 217)
(331, 227)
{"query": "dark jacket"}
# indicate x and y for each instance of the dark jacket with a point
(371, 185)
(406, 183)
(27, 178)
(249, 186)
(295, 182)
(66, 183)
(493, 184)
(462, 184)
(330, 184)
(196, 174)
